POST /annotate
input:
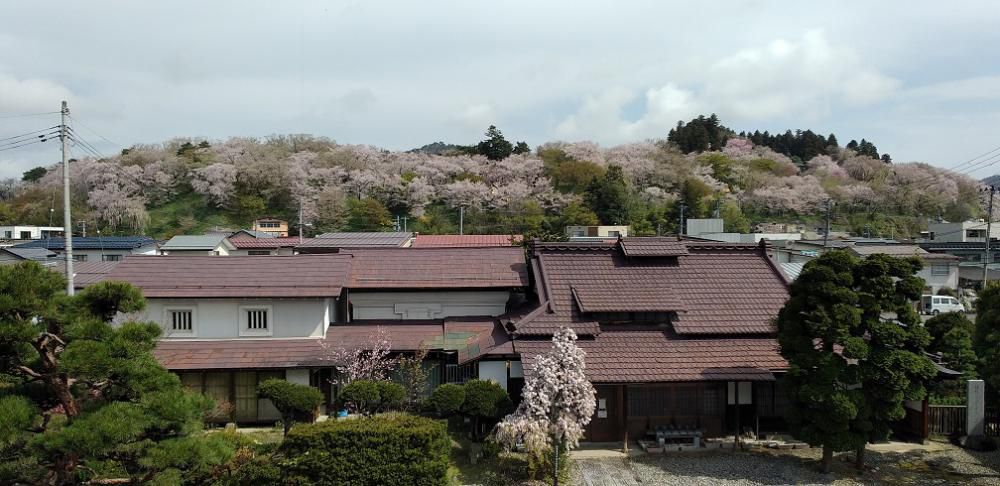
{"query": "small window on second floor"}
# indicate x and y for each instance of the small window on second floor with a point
(256, 320)
(112, 258)
(182, 320)
(79, 258)
(179, 321)
(614, 233)
(258, 252)
(25, 235)
(940, 270)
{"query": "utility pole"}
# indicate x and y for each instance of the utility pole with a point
(989, 224)
(826, 232)
(404, 224)
(461, 220)
(67, 220)
(83, 228)
(680, 222)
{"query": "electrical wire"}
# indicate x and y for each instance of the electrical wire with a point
(91, 130)
(22, 145)
(29, 133)
(43, 137)
(21, 115)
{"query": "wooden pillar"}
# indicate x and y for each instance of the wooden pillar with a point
(624, 414)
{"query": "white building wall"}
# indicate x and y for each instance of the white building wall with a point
(220, 318)
(427, 305)
(14, 232)
(936, 282)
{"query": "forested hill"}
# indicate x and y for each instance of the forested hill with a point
(185, 186)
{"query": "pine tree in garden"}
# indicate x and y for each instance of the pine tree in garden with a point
(556, 404)
(895, 368)
(818, 332)
(851, 369)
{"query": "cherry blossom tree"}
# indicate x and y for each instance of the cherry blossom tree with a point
(367, 361)
(556, 405)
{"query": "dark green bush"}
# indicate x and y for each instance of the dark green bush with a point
(447, 399)
(296, 403)
(388, 449)
(360, 396)
(485, 399)
(390, 395)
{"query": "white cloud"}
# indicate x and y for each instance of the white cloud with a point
(30, 95)
(801, 79)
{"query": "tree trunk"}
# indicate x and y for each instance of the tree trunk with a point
(859, 458)
(60, 387)
(555, 465)
(827, 459)
(286, 422)
(63, 469)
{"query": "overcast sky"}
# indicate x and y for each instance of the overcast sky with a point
(919, 79)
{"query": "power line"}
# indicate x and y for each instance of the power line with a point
(39, 138)
(91, 130)
(21, 115)
(30, 133)
(22, 145)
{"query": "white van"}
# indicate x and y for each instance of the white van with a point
(937, 304)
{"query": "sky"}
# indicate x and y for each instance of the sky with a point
(920, 79)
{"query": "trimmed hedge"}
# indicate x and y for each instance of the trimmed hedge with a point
(360, 396)
(389, 449)
(485, 399)
(447, 399)
(296, 403)
(391, 395)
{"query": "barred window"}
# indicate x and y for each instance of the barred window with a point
(182, 321)
(257, 319)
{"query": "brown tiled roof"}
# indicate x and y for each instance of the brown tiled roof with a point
(86, 273)
(235, 276)
(361, 239)
(468, 337)
(238, 353)
(465, 241)
(653, 247)
(617, 296)
(278, 242)
(422, 268)
(722, 288)
(656, 356)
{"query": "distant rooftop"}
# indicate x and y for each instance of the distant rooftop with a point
(37, 254)
(465, 241)
(92, 243)
(362, 239)
(194, 242)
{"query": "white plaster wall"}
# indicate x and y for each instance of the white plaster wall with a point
(935, 282)
(495, 371)
(427, 305)
(219, 318)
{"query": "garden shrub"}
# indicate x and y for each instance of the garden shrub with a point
(485, 399)
(296, 403)
(391, 395)
(387, 449)
(447, 399)
(360, 395)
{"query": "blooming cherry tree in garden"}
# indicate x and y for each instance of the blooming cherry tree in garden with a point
(557, 402)
(368, 361)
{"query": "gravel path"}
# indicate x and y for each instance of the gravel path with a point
(949, 466)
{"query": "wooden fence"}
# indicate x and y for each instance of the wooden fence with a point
(947, 419)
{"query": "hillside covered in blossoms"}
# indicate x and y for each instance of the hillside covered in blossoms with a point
(190, 185)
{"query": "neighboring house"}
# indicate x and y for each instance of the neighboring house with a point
(98, 248)
(675, 332)
(367, 239)
(465, 241)
(698, 226)
(230, 323)
(86, 273)
(245, 233)
(939, 270)
(15, 255)
(596, 231)
(212, 245)
(774, 238)
(22, 232)
(262, 246)
(792, 269)
(274, 226)
(966, 231)
(970, 255)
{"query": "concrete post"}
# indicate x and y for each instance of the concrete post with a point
(975, 415)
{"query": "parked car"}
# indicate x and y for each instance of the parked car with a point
(936, 304)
